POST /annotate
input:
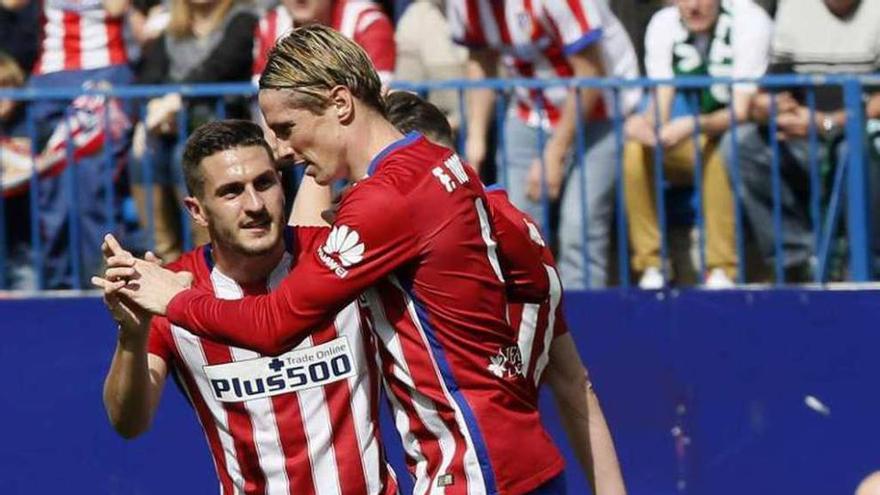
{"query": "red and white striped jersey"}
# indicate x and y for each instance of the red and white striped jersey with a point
(417, 236)
(301, 422)
(80, 35)
(536, 325)
(535, 37)
(362, 21)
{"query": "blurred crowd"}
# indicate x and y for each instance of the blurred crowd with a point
(554, 149)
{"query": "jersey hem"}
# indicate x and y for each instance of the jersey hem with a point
(526, 486)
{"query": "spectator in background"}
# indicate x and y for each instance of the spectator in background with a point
(148, 19)
(425, 52)
(20, 27)
(718, 38)
(361, 21)
(82, 43)
(205, 41)
(549, 39)
(811, 37)
(18, 271)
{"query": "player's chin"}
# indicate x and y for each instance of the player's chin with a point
(258, 242)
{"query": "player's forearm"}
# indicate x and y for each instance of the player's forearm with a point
(590, 437)
(260, 323)
(582, 418)
(127, 387)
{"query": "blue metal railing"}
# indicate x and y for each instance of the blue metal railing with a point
(853, 170)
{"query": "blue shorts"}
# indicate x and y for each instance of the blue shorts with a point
(556, 486)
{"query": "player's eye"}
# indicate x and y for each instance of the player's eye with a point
(265, 181)
(230, 190)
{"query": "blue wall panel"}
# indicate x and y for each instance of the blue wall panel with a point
(705, 393)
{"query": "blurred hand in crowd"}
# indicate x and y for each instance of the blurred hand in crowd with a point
(640, 129)
(553, 170)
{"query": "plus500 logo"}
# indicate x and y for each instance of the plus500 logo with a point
(266, 377)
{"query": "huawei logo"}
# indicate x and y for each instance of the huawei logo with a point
(344, 244)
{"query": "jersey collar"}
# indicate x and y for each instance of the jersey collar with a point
(396, 145)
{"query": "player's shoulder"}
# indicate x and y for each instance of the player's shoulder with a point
(197, 261)
(500, 204)
(408, 159)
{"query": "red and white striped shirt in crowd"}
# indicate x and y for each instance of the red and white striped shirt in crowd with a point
(535, 37)
(362, 21)
(536, 325)
(80, 35)
(302, 422)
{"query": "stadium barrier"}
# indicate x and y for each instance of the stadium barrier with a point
(93, 122)
(706, 393)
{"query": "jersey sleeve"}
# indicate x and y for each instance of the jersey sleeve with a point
(308, 238)
(519, 252)
(375, 35)
(578, 23)
(659, 41)
(159, 340)
(372, 236)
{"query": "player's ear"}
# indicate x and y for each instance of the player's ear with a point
(196, 211)
(342, 103)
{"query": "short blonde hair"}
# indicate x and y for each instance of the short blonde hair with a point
(313, 59)
(11, 75)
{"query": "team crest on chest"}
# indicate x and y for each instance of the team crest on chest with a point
(507, 363)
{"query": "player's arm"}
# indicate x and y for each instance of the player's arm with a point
(134, 383)
(311, 199)
(482, 63)
(373, 235)
(521, 255)
(582, 417)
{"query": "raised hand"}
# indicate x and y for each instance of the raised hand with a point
(142, 282)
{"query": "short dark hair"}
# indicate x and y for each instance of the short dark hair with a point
(409, 112)
(215, 137)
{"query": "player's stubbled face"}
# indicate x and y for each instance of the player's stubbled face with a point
(312, 140)
(699, 15)
(243, 200)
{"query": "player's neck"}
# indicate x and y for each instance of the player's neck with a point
(246, 268)
(372, 135)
